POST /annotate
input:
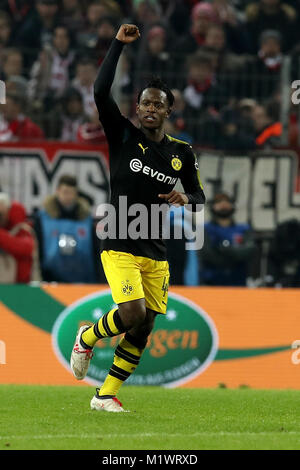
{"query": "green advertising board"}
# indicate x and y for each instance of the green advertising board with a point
(183, 343)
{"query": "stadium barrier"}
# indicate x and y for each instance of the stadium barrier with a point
(262, 184)
(210, 337)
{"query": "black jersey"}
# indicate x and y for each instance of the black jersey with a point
(140, 168)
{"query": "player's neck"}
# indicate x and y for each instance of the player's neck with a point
(153, 134)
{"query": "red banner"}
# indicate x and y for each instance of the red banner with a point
(30, 172)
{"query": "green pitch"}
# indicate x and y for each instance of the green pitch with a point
(41, 417)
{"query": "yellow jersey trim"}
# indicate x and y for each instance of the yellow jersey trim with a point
(177, 140)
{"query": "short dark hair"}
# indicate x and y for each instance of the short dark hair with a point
(70, 34)
(86, 60)
(68, 180)
(199, 59)
(270, 34)
(71, 94)
(108, 19)
(156, 82)
(221, 196)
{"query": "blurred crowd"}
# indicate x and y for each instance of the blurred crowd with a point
(223, 59)
(224, 62)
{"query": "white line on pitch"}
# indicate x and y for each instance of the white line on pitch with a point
(110, 436)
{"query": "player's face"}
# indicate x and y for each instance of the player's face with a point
(153, 108)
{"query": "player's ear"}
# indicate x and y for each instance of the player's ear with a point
(137, 108)
(168, 112)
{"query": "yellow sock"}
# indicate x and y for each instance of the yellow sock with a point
(126, 360)
(108, 325)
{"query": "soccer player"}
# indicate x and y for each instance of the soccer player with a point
(144, 166)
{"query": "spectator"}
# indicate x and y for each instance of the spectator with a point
(228, 246)
(232, 23)
(6, 35)
(126, 79)
(154, 58)
(284, 255)
(37, 29)
(203, 95)
(72, 15)
(107, 28)
(271, 15)
(19, 10)
(244, 109)
(172, 130)
(176, 15)
(12, 63)
(67, 240)
(203, 16)
(14, 124)
(232, 136)
(216, 41)
(17, 85)
(261, 77)
(176, 124)
(88, 34)
(227, 12)
(125, 7)
(202, 89)
(183, 263)
(91, 132)
(145, 13)
(110, 8)
(96, 10)
(228, 65)
(215, 38)
(51, 73)
(85, 76)
(18, 260)
(266, 125)
(179, 107)
(66, 117)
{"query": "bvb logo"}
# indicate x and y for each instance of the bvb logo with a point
(127, 288)
(176, 163)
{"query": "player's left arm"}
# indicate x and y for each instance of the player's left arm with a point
(191, 182)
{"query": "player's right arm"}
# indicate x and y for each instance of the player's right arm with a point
(109, 112)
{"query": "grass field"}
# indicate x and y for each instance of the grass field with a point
(42, 417)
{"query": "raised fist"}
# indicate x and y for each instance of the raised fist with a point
(128, 33)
